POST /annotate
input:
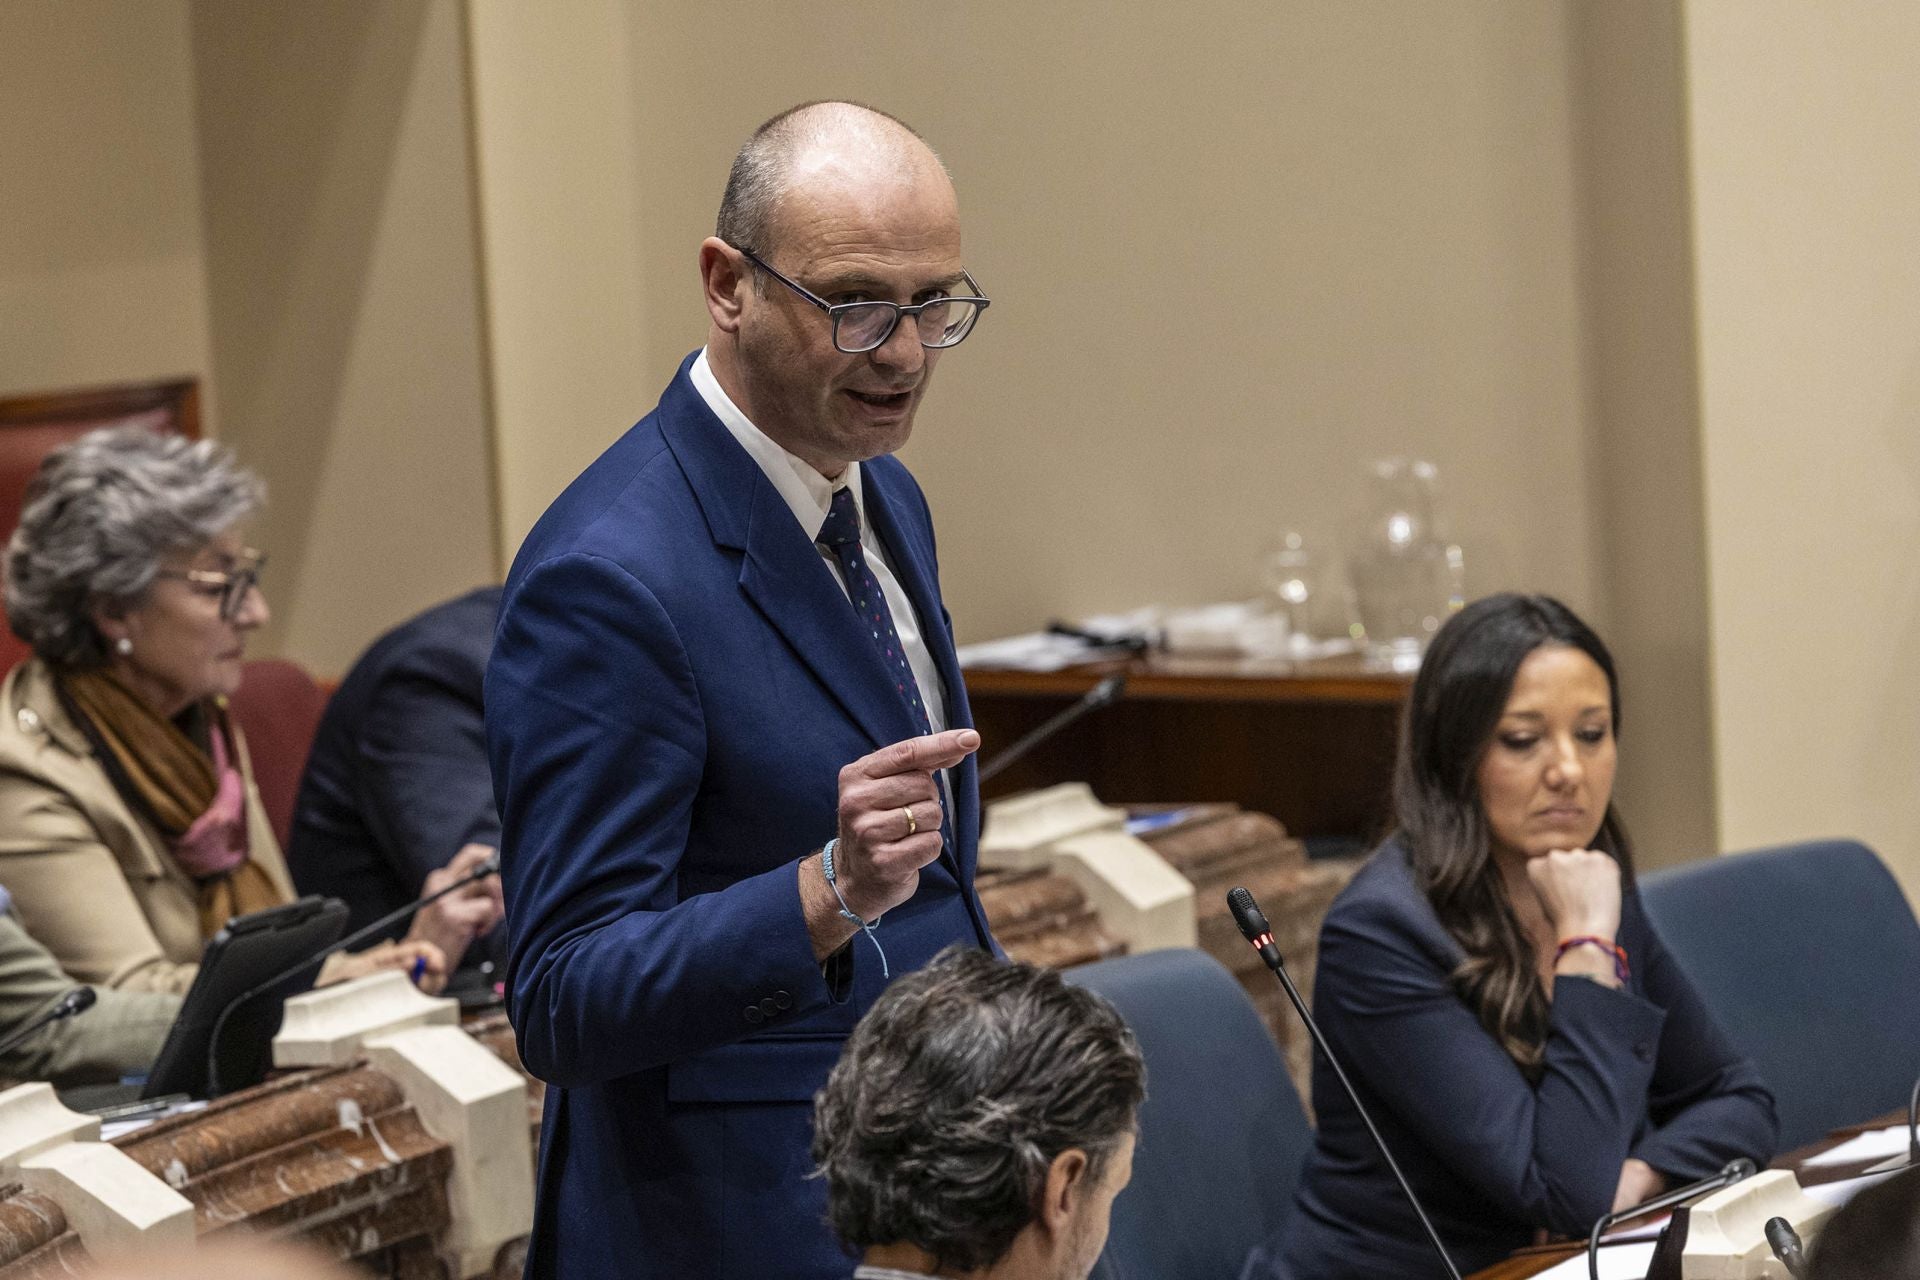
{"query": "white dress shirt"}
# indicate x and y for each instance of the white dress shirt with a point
(810, 496)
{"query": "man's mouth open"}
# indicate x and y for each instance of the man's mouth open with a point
(897, 400)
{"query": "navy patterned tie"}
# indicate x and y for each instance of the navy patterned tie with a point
(841, 536)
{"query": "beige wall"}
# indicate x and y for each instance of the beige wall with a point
(1806, 163)
(1643, 287)
(560, 231)
(101, 277)
(1235, 250)
(1644, 442)
(341, 264)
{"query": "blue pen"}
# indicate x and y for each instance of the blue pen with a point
(419, 969)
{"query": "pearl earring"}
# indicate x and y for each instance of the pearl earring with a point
(123, 646)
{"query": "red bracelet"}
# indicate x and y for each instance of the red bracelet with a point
(1608, 945)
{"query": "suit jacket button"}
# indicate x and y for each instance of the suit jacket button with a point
(767, 1007)
(1644, 1052)
(782, 1001)
(754, 1015)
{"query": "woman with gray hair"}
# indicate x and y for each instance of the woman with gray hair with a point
(130, 829)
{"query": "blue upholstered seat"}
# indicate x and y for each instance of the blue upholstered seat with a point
(1809, 957)
(1222, 1133)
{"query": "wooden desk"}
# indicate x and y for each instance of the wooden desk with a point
(1531, 1262)
(1311, 743)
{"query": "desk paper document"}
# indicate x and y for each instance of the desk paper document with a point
(1875, 1144)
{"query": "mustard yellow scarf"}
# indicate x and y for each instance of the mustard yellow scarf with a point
(174, 781)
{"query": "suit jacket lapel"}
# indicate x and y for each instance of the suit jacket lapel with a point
(781, 572)
(786, 577)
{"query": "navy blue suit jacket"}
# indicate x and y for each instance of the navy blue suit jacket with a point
(676, 682)
(397, 781)
(1642, 1071)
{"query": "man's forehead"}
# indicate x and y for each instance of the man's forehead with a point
(865, 188)
(846, 229)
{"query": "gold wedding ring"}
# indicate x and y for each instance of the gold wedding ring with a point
(912, 826)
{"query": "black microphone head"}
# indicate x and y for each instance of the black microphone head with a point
(1247, 914)
(1739, 1167)
(79, 1000)
(1784, 1241)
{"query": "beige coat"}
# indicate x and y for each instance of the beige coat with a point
(91, 879)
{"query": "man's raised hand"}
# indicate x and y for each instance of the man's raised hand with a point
(889, 827)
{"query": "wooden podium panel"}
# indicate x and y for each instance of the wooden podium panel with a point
(1311, 743)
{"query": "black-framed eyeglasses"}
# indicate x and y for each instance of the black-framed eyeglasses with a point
(860, 327)
(232, 584)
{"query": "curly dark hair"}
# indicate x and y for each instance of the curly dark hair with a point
(1875, 1236)
(1458, 697)
(954, 1096)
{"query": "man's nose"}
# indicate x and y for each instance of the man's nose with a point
(902, 349)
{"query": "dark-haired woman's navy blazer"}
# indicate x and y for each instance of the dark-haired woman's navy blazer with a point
(1642, 1071)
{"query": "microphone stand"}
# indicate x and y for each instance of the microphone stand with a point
(1106, 692)
(1913, 1125)
(489, 867)
(78, 1000)
(1734, 1171)
(1254, 927)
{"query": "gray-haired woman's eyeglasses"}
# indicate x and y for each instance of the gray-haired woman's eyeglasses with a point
(232, 585)
(859, 327)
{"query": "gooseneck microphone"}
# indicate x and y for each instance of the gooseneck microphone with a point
(1254, 928)
(78, 1000)
(489, 867)
(1733, 1171)
(1106, 692)
(1913, 1125)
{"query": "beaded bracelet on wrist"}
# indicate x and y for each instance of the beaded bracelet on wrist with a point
(1621, 969)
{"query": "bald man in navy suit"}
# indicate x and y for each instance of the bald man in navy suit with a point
(729, 738)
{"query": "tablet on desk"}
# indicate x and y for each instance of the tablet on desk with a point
(249, 950)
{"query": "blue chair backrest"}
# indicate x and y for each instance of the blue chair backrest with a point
(1222, 1132)
(1809, 957)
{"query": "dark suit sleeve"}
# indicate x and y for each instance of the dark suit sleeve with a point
(1548, 1153)
(424, 761)
(597, 742)
(1708, 1104)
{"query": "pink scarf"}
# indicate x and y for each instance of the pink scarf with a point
(216, 843)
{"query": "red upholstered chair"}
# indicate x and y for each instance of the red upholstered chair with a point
(33, 426)
(278, 708)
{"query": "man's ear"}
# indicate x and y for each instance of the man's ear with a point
(724, 280)
(1066, 1187)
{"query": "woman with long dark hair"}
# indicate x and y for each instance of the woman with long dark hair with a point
(1532, 1055)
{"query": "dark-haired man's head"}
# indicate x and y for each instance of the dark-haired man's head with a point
(1875, 1236)
(980, 1123)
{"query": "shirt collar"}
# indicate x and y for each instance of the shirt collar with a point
(806, 492)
